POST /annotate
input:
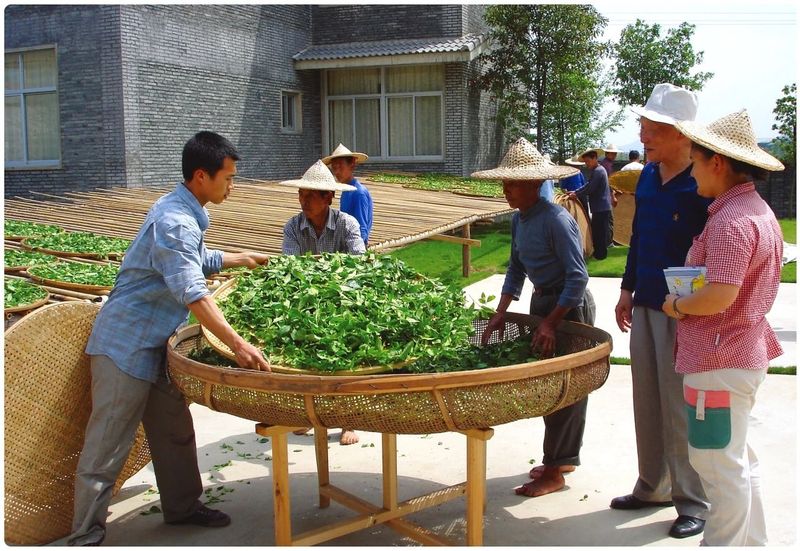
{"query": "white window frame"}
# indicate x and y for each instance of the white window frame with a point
(26, 164)
(383, 96)
(297, 96)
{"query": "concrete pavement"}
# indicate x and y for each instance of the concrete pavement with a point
(236, 470)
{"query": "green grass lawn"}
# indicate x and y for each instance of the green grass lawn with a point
(443, 260)
(789, 229)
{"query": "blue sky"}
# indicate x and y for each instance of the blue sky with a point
(751, 47)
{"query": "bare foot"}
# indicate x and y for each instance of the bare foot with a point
(551, 481)
(536, 472)
(348, 437)
(300, 432)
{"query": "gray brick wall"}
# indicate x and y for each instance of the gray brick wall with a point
(334, 24)
(227, 79)
(90, 110)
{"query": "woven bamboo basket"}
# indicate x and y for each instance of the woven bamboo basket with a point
(227, 288)
(402, 403)
(575, 208)
(623, 217)
(63, 254)
(47, 406)
(624, 180)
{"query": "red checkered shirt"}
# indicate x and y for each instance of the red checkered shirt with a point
(742, 245)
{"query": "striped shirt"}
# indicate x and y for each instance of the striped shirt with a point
(163, 271)
(341, 234)
(741, 245)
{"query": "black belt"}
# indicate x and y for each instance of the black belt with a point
(547, 291)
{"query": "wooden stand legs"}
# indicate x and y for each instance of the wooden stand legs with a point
(391, 512)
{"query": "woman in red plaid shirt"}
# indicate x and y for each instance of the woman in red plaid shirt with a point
(724, 343)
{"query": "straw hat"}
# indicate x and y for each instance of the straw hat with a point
(318, 177)
(524, 162)
(611, 148)
(342, 151)
(732, 136)
(668, 104)
(575, 161)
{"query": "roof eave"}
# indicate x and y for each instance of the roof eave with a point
(462, 56)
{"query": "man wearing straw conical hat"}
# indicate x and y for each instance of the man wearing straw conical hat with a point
(546, 249)
(724, 342)
(356, 203)
(161, 279)
(320, 228)
(669, 214)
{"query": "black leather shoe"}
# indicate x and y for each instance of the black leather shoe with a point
(630, 501)
(685, 526)
(204, 516)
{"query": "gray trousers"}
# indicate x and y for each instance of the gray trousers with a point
(660, 417)
(563, 430)
(119, 402)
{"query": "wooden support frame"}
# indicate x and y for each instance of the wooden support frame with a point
(465, 241)
(391, 512)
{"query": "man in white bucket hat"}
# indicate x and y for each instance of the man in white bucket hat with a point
(546, 249)
(356, 203)
(669, 214)
(320, 228)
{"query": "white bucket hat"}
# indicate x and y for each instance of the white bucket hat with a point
(668, 104)
(318, 177)
(342, 151)
(732, 136)
(524, 162)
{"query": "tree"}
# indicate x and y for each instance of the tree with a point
(644, 59)
(786, 114)
(543, 69)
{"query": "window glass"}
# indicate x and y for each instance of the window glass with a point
(12, 72)
(40, 68)
(41, 114)
(354, 81)
(368, 126)
(340, 116)
(401, 133)
(414, 78)
(428, 125)
(13, 134)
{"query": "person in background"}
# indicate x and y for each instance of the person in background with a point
(320, 228)
(633, 164)
(162, 278)
(546, 249)
(607, 162)
(358, 202)
(669, 214)
(597, 194)
(724, 342)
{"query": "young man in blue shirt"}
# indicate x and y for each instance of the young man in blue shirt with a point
(356, 203)
(669, 214)
(161, 279)
(546, 249)
(597, 193)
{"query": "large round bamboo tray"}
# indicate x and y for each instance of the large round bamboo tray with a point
(227, 288)
(402, 403)
(623, 217)
(63, 254)
(68, 285)
(624, 180)
(26, 307)
(47, 406)
(575, 208)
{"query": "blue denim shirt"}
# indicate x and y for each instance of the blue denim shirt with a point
(668, 217)
(358, 204)
(546, 248)
(163, 271)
